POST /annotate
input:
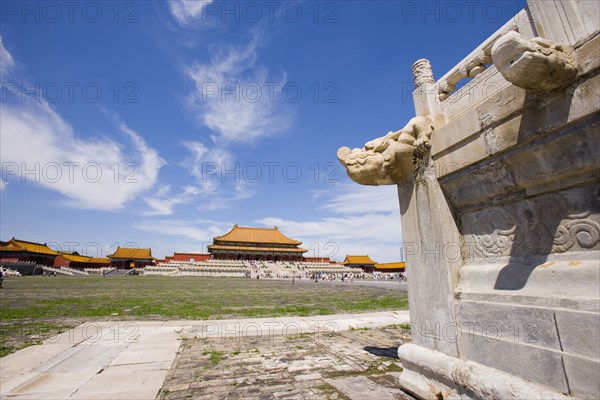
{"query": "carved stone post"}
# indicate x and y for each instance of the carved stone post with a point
(425, 94)
(431, 244)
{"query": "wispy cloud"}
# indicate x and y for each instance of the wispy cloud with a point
(163, 202)
(237, 98)
(6, 60)
(187, 11)
(357, 199)
(375, 231)
(202, 160)
(202, 231)
(365, 221)
(94, 173)
(378, 235)
(209, 165)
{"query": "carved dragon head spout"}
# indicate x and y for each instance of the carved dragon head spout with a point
(388, 160)
(537, 64)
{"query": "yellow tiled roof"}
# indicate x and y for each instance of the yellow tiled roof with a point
(8, 246)
(127, 252)
(392, 265)
(74, 257)
(363, 260)
(99, 260)
(85, 259)
(22, 245)
(256, 235)
(257, 248)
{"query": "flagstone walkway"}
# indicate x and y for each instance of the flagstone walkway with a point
(319, 357)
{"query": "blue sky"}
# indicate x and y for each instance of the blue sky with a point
(162, 124)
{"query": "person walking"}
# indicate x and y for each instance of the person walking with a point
(2, 274)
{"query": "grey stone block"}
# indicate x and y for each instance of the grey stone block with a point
(584, 376)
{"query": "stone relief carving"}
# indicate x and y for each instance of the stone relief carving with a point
(498, 242)
(536, 64)
(422, 72)
(389, 159)
(553, 223)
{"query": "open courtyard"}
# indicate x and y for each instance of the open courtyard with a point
(34, 308)
(200, 338)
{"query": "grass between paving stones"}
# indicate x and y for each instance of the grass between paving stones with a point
(376, 368)
(50, 305)
(16, 335)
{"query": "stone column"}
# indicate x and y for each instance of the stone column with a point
(425, 94)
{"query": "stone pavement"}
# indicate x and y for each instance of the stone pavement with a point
(291, 357)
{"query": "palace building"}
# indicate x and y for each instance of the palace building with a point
(244, 243)
(185, 257)
(391, 267)
(76, 260)
(126, 258)
(21, 251)
(363, 262)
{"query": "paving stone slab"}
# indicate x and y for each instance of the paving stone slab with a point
(284, 357)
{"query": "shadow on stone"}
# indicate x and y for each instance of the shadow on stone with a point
(537, 219)
(389, 352)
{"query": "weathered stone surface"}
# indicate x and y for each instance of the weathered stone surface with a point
(388, 160)
(361, 387)
(123, 382)
(27, 359)
(422, 72)
(501, 217)
(566, 21)
(557, 222)
(584, 376)
(537, 63)
(530, 362)
(433, 375)
(572, 279)
(579, 333)
(352, 364)
(288, 363)
(514, 324)
(425, 234)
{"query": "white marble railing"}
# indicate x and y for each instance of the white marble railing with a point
(57, 270)
(77, 271)
(11, 272)
(476, 62)
(98, 271)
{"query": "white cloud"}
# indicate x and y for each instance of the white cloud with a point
(38, 146)
(353, 199)
(378, 235)
(3, 184)
(202, 231)
(366, 220)
(187, 11)
(376, 232)
(6, 60)
(91, 173)
(203, 160)
(252, 111)
(236, 97)
(214, 169)
(162, 203)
